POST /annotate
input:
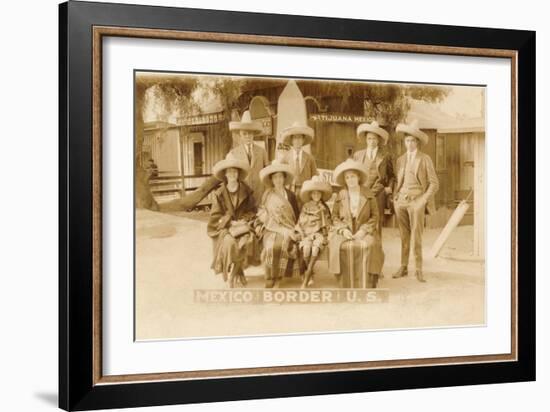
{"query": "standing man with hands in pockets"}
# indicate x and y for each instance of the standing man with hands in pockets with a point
(416, 186)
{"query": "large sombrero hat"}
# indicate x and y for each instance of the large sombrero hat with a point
(373, 127)
(297, 128)
(349, 164)
(230, 161)
(315, 183)
(275, 167)
(412, 129)
(246, 123)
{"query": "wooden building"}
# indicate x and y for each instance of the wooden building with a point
(457, 148)
(185, 152)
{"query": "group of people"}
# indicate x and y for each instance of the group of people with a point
(277, 215)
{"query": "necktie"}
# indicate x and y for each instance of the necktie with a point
(249, 153)
(409, 158)
(296, 166)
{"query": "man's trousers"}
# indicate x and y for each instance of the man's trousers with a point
(410, 214)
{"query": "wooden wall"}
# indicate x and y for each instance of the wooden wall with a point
(163, 147)
(217, 143)
(332, 142)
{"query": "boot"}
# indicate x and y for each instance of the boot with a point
(242, 278)
(234, 275)
(308, 276)
(369, 281)
(419, 276)
(401, 272)
(373, 277)
(269, 283)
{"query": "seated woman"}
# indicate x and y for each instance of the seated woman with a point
(233, 211)
(277, 215)
(355, 250)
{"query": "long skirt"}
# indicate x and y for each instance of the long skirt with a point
(229, 250)
(358, 258)
(279, 256)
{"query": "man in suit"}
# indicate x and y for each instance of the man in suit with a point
(378, 163)
(416, 186)
(301, 162)
(254, 155)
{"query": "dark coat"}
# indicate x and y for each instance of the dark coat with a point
(258, 161)
(293, 202)
(308, 167)
(384, 165)
(223, 212)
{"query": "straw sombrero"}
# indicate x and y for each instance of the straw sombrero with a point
(230, 161)
(274, 167)
(297, 128)
(412, 129)
(373, 127)
(246, 123)
(315, 183)
(349, 164)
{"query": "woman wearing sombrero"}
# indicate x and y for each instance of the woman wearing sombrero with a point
(278, 214)
(233, 211)
(355, 252)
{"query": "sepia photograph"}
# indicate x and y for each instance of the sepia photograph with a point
(272, 205)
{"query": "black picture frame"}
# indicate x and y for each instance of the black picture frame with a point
(77, 390)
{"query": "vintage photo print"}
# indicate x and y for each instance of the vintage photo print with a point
(273, 205)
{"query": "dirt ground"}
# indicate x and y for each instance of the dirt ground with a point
(173, 256)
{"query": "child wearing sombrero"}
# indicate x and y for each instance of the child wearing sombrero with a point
(313, 223)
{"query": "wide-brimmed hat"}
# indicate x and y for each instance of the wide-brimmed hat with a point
(349, 164)
(412, 129)
(315, 183)
(297, 128)
(275, 167)
(230, 161)
(246, 123)
(373, 127)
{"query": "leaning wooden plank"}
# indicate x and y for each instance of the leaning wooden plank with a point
(452, 223)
